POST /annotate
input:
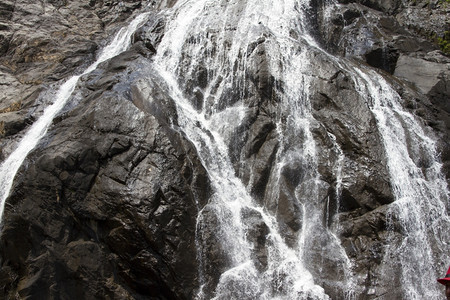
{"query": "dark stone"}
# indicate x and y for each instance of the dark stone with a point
(211, 250)
(81, 222)
(12, 123)
(385, 59)
(256, 235)
(115, 202)
(151, 33)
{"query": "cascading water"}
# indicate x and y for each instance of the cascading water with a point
(199, 32)
(10, 166)
(419, 188)
(207, 59)
(218, 35)
(285, 275)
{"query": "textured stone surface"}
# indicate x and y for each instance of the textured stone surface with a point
(106, 206)
(424, 74)
(44, 42)
(118, 197)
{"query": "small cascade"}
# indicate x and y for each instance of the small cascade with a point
(419, 188)
(11, 165)
(349, 283)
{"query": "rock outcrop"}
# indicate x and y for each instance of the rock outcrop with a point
(42, 43)
(114, 202)
(398, 38)
(119, 193)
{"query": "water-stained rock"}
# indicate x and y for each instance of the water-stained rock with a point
(115, 214)
(115, 203)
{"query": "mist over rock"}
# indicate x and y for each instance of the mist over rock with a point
(229, 153)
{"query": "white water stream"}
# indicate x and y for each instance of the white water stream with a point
(235, 24)
(217, 34)
(419, 188)
(11, 165)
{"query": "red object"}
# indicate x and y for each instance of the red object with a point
(446, 279)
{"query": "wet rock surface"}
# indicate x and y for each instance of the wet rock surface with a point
(119, 191)
(106, 206)
(391, 35)
(44, 42)
(401, 39)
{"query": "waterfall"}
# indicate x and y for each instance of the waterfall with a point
(209, 57)
(231, 203)
(218, 35)
(11, 165)
(419, 188)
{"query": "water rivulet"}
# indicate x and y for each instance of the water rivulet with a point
(9, 167)
(251, 163)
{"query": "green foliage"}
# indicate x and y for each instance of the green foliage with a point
(444, 2)
(444, 42)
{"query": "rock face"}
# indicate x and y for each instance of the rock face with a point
(128, 194)
(121, 175)
(44, 42)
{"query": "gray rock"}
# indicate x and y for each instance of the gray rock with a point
(426, 75)
(115, 202)
(12, 122)
(44, 42)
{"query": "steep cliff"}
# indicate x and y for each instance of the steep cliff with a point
(236, 150)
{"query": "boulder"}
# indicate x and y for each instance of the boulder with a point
(426, 75)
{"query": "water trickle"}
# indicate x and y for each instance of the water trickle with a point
(10, 166)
